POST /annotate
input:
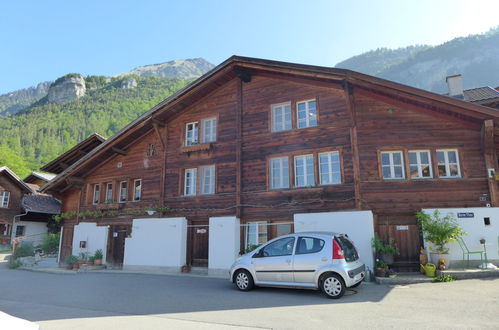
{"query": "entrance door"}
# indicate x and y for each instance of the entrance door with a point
(199, 245)
(116, 244)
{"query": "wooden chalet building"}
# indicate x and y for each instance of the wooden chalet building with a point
(261, 141)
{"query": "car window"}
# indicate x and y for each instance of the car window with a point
(282, 247)
(349, 250)
(309, 245)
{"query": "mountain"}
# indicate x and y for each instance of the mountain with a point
(476, 57)
(184, 69)
(15, 101)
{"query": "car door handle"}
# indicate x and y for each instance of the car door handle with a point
(324, 259)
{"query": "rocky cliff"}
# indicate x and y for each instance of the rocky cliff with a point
(67, 88)
(13, 102)
(184, 69)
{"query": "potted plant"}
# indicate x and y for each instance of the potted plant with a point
(384, 251)
(70, 261)
(98, 257)
(439, 231)
(381, 268)
(391, 273)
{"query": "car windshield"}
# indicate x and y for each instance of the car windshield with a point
(349, 250)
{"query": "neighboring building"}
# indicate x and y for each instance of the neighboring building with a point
(38, 179)
(486, 96)
(255, 149)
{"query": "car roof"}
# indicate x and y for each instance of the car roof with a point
(318, 233)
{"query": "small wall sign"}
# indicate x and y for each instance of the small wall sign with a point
(402, 227)
(483, 198)
(201, 231)
(466, 215)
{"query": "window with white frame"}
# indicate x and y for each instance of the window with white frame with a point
(420, 164)
(95, 199)
(256, 233)
(279, 173)
(281, 117)
(123, 191)
(4, 199)
(209, 130)
(306, 113)
(304, 171)
(392, 165)
(109, 192)
(191, 134)
(190, 181)
(329, 168)
(207, 176)
(137, 189)
(448, 163)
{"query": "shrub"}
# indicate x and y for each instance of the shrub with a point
(50, 243)
(439, 230)
(14, 263)
(382, 248)
(71, 260)
(24, 250)
(444, 278)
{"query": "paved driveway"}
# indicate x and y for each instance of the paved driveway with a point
(128, 301)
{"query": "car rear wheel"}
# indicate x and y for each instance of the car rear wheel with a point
(244, 280)
(332, 286)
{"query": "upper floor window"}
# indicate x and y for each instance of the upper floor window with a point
(304, 171)
(151, 150)
(96, 195)
(392, 165)
(137, 189)
(279, 173)
(109, 192)
(281, 117)
(207, 174)
(191, 134)
(123, 191)
(420, 164)
(448, 163)
(306, 113)
(329, 168)
(190, 182)
(209, 130)
(4, 199)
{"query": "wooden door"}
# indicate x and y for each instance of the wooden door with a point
(199, 245)
(67, 242)
(116, 244)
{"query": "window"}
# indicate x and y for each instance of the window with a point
(309, 245)
(137, 189)
(304, 171)
(151, 150)
(282, 229)
(95, 199)
(4, 199)
(392, 165)
(329, 168)
(123, 191)
(190, 182)
(209, 129)
(279, 173)
(109, 192)
(207, 180)
(281, 247)
(281, 117)
(191, 134)
(420, 164)
(256, 233)
(306, 113)
(448, 164)
(20, 230)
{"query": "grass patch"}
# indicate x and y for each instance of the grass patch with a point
(444, 278)
(5, 250)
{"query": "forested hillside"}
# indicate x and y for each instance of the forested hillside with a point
(44, 130)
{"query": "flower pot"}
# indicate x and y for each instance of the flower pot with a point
(186, 269)
(97, 261)
(387, 258)
(380, 272)
(436, 256)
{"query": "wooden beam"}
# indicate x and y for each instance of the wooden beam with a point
(239, 112)
(158, 122)
(119, 151)
(158, 133)
(489, 150)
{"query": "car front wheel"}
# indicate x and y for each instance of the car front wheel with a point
(244, 280)
(332, 286)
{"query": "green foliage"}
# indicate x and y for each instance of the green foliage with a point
(24, 250)
(50, 243)
(44, 131)
(439, 230)
(444, 278)
(98, 254)
(71, 260)
(14, 263)
(91, 259)
(381, 248)
(252, 247)
(381, 264)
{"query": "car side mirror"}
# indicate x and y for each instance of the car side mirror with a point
(259, 254)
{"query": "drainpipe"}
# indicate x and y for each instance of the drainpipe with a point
(12, 229)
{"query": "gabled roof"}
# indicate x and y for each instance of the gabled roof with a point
(8, 172)
(34, 176)
(41, 204)
(243, 67)
(74, 154)
(481, 95)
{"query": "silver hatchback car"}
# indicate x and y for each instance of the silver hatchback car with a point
(309, 260)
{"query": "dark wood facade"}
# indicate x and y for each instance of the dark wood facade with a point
(358, 116)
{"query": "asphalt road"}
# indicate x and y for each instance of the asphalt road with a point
(130, 301)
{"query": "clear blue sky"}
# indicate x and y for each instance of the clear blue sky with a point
(43, 40)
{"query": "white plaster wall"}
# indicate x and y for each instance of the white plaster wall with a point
(34, 231)
(95, 236)
(358, 225)
(476, 230)
(223, 244)
(158, 243)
